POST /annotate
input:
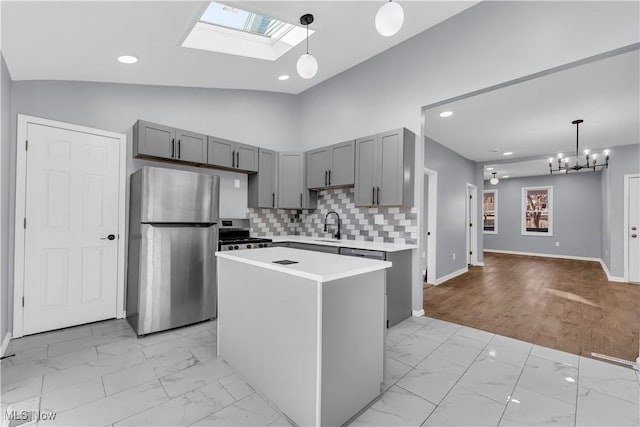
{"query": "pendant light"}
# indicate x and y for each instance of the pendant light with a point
(495, 179)
(307, 64)
(591, 158)
(389, 18)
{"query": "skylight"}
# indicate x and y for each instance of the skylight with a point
(226, 29)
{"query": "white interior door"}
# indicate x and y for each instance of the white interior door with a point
(471, 216)
(71, 203)
(634, 229)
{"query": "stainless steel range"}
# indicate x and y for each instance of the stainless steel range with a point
(234, 234)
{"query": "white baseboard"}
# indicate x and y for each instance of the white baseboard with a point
(609, 276)
(451, 275)
(5, 343)
(417, 313)
(579, 258)
(479, 264)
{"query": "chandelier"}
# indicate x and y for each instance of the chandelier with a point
(564, 162)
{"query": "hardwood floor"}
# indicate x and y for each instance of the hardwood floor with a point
(564, 304)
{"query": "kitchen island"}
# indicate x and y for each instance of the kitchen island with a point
(309, 336)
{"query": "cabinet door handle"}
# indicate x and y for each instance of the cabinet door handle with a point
(378, 195)
(325, 177)
(173, 147)
(329, 176)
(237, 159)
(300, 200)
(273, 200)
(373, 196)
(233, 159)
(178, 148)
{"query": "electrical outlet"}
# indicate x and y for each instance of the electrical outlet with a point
(424, 255)
(454, 256)
(236, 183)
(557, 243)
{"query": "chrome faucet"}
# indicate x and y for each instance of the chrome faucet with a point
(337, 235)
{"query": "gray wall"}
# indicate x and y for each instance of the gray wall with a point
(624, 160)
(577, 216)
(260, 118)
(487, 44)
(5, 167)
(454, 172)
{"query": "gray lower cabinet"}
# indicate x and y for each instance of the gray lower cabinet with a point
(164, 142)
(292, 191)
(398, 276)
(331, 166)
(385, 169)
(232, 155)
(262, 185)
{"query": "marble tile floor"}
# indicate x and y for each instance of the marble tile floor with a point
(437, 373)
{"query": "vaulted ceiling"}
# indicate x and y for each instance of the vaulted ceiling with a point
(80, 40)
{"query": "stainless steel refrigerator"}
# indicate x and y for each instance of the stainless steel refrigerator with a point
(173, 237)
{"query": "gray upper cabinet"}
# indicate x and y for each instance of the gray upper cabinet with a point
(385, 169)
(246, 157)
(262, 185)
(292, 190)
(221, 152)
(366, 179)
(164, 142)
(342, 164)
(232, 155)
(153, 140)
(190, 147)
(331, 166)
(318, 168)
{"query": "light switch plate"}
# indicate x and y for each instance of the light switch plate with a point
(236, 183)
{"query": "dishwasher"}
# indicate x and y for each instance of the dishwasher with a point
(398, 281)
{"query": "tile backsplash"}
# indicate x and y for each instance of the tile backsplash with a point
(382, 224)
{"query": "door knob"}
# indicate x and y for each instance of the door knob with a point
(109, 237)
(634, 228)
(634, 235)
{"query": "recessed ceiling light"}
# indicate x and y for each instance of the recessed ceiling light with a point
(507, 153)
(127, 59)
(284, 77)
(489, 169)
(506, 176)
(446, 114)
(570, 380)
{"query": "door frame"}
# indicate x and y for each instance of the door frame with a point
(20, 212)
(471, 233)
(627, 195)
(432, 226)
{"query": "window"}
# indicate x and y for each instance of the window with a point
(537, 211)
(490, 212)
(233, 31)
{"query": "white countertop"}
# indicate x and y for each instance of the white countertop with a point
(356, 244)
(316, 266)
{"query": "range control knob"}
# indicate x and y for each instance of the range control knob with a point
(260, 245)
(236, 247)
(230, 248)
(248, 246)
